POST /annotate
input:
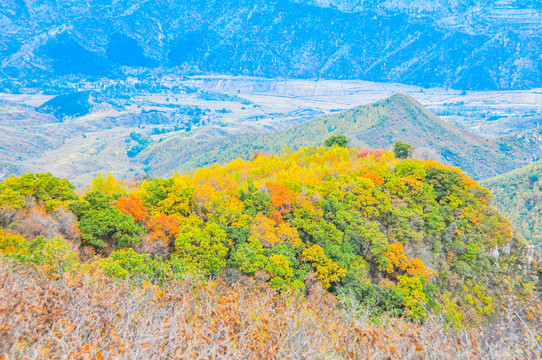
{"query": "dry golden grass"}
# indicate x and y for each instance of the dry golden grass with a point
(89, 316)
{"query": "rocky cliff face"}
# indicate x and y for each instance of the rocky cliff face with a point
(467, 45)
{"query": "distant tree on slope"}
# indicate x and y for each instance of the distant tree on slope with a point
(336, 140)
(403, 150)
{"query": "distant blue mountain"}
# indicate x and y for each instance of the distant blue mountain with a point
(463, 44)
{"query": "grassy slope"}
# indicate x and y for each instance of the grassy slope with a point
(377, 125)
(519, 196)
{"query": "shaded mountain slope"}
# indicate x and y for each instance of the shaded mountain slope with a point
(518, 195)
(377, 125)
(266, 38)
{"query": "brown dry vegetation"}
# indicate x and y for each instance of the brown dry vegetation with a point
(87, 315)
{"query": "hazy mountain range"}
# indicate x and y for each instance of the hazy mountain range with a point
(461, 44)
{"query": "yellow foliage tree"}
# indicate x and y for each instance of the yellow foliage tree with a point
(401, 263)
(108, 185)
(270, 233)
(327, 271)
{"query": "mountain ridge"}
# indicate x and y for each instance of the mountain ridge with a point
(377, 125)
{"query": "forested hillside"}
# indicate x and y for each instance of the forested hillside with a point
(518, 195)
(397, 238)
(406, 235)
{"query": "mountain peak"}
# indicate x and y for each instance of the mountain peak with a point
(403, 98)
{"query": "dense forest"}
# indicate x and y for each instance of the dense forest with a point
(403, 241)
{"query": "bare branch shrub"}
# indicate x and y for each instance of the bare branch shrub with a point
(87, 315)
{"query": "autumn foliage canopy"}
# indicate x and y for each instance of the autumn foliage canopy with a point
(403, 237)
